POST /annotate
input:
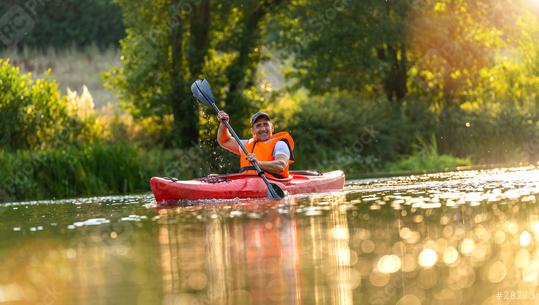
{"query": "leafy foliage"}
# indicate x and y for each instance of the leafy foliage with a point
(357, 46)
(82, 23)
(490, 138)
(366, 82)
(32, 113)
(341, 131)
(170, 43)
(395, 49)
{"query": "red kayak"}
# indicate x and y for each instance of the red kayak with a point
(242, 186)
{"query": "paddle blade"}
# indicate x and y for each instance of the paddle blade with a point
(276, 192)
(202, 92)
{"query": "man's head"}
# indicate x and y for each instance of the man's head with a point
(261, 126)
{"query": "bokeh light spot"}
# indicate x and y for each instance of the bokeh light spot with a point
(389, 264)
(378, 279)
(499, 237)
(197, 280)
(367, 246)
(408, 263)
(522, 258)
(450, 256)
(427, 258)
(340, 233)
(467, 246)
(497, 272)
(529, 274)
(525, 239)
(409, 299)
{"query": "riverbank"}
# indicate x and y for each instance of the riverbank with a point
(108, 169)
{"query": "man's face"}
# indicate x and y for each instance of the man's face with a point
(262, 129)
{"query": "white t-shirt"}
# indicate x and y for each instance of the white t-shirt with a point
(280, 148)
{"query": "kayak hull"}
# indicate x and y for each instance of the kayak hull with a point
(166, 190)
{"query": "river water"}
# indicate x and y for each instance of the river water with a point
(451, 238)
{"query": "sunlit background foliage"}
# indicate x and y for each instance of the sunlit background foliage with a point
(365, 86)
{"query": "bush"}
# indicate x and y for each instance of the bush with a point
(506, 136)
(32, 113)
(339, 131)
(340, 122)
(342, 131)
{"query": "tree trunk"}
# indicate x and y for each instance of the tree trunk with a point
(245, 63)
(185, 130)
(401, 76)
(394, 80)
(200, 28)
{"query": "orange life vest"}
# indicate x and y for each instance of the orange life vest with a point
(264, 152)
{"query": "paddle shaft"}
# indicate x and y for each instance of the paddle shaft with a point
(244, 149)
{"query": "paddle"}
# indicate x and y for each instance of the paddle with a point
(202, 92)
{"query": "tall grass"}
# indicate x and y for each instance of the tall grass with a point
(73, 171)
(426, 158)
(98, 169)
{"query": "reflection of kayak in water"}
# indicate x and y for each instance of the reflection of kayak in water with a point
(243, 186)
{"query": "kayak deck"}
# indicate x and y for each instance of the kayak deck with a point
(231, 186)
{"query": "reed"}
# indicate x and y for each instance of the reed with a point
(94, 169)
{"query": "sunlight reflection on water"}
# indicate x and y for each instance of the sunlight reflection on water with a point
(450, 238)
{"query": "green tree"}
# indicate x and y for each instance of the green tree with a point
(396, 48)
(170, 43)
(65, 23)
(356, 46)
(456, 43)
(459, 68)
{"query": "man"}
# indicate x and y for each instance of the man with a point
(272, 152)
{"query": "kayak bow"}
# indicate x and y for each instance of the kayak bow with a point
(166, 190)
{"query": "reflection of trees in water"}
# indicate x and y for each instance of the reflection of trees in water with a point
(359, 248)
(231, 261)
(327, 258)
(265, 256)
(81, 265)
